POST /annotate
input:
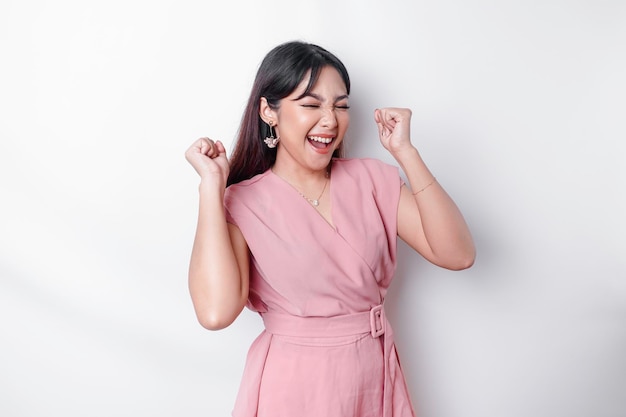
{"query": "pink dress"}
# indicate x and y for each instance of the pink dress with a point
(327, 349)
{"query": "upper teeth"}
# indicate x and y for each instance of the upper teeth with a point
(319, 139)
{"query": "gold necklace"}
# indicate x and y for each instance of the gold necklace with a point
(314, 202)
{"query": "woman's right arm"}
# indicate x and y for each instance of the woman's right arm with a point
(219, 265)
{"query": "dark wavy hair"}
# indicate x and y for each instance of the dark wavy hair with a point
(279, 74)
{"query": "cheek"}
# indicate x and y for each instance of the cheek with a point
(344, 121)
(292, 122)
(301, 120)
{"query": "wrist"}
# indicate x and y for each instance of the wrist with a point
(405, 153)
(212, 185)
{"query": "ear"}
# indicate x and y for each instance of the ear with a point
(265, 112)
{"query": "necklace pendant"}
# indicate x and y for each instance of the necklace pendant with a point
(315, 203)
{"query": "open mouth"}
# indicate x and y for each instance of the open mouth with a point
(319, 142)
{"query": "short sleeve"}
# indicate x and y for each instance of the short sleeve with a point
(229, 202)
(386, 183)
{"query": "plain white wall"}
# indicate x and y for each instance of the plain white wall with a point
(519, 111)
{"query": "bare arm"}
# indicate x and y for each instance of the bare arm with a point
(219, 264)
(428, 219)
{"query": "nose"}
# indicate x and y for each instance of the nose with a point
(329, 119)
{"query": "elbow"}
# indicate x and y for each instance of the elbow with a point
(458, 262)
(463, 262)
(212, 321)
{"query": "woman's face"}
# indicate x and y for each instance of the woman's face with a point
(312, 127)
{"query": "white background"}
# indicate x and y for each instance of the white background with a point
(519, 110)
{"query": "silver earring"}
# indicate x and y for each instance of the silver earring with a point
(271, 141)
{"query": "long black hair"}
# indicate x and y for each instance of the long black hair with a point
(279, 74)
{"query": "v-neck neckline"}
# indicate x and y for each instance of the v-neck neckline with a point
(330, 224)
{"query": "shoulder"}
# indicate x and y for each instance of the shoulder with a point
(249, 184)
(372, 183)
(373, 169)
(368, 164)
(247, 189)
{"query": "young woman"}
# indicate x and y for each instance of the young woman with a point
(307, 238)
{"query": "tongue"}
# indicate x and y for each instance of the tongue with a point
(318, 145)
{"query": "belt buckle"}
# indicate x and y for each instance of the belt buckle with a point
(377, 324)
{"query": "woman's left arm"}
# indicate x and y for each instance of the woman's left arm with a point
(428, 219)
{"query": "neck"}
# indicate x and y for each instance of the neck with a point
(298, 175)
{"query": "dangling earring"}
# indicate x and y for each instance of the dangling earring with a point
(271, 141)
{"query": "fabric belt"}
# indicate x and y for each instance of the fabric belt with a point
(372, 321)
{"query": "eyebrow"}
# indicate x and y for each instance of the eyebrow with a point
(317, 97)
